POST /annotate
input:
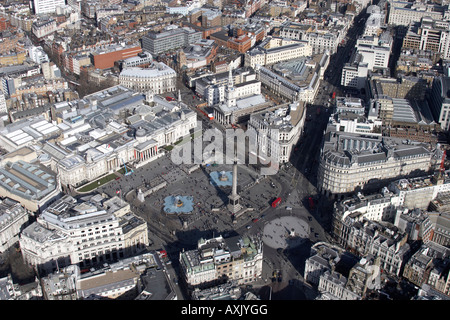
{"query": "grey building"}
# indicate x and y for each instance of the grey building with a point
(351, 161)
(13, 217)
(32, 184)
(439, 101)
(156, 43)
(379, 239)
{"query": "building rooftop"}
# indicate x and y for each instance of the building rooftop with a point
(283, 117)
(27, 180)
(243, 103)
(416, 183)
(300, 71)
(346, 148)
(211, 251)
(9, 210)
(156, 286)
(24, 132)
(156, 70)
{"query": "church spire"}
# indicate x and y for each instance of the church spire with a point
(230, 78)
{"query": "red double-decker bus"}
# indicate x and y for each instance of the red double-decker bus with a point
(311, 202)
(276, 202)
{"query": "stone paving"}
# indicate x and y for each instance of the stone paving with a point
(284, 232)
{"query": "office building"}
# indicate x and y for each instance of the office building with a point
(13, 218)
(157, 78)
(354, 73)
(304, 74)
(402, 87)
(341, 275)
(439, 101)
(355, 123)
(198, 55)
(403, 204)
(105, 56)
(375, 21)
(321, 40)
(277, 84)
(211, 87)
(236, 258)
(402, 13)
(157, 43)
(85, 231)
(428, 269)
(143, 59)
(416, 223)
(371, 53)
(33, 185)
(362, 278)
(349, 161)
(271, 51)
(276, 131)
(47, 6)
(3, 107)
(349, 104)
(139, 277)
(441, 225)
(364, 236)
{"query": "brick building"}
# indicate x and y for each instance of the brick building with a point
(242, 43)
(4, 24)
(104, 57)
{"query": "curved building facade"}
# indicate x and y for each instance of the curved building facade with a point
(361, 162)
(159, 78)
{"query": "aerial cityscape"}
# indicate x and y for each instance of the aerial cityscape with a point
(239, 150)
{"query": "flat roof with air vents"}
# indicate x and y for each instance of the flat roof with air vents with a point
(26, 132)
(27, 180)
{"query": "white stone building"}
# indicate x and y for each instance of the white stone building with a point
(375, 21)
(237, 258)
(158, 78)
(82, 232)
(358, 124)
(371, 53)
(323, 256)
(403, 13)
(349, 161)
(47, 6)
(13, 217)
(239, 101)
(277, 131)
(40, 29)
(320, 40)
(3, 106)
(270, 52)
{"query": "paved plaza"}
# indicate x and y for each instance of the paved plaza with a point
(285, 232)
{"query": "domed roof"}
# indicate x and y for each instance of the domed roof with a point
(140, 132)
